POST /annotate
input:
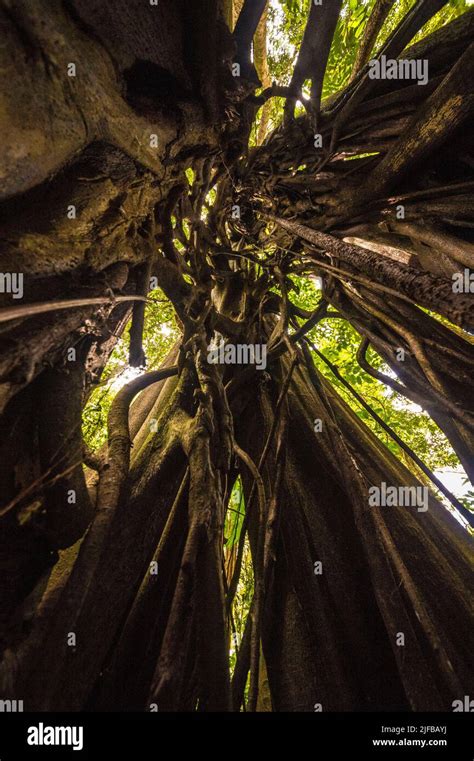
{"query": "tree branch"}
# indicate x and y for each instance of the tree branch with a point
(375, 23)
(244, 32)
(27, 310)
(393, 435)
(423, 288)
(313, 55)
(415, 19)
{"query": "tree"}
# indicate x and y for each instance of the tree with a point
(128, 166)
